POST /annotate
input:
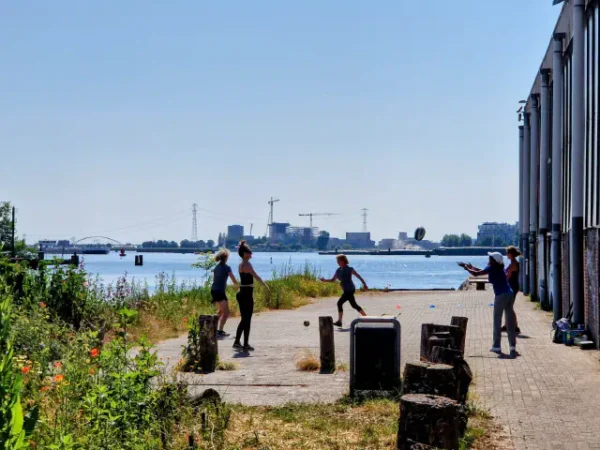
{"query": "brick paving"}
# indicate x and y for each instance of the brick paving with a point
(548, 398)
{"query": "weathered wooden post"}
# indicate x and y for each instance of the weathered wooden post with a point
(461, 322)
(429, 330)
(431, 420)
(434, 379)
(327, 344)
(435, 341)
(462, 371)
(209, 350)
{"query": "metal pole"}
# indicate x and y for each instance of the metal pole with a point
(578, 127)
(14, 249)
(557, 137)
(543, 200)
(526, 175)
(521, 202)
(533, 195)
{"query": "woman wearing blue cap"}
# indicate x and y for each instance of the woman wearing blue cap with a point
(503, 300)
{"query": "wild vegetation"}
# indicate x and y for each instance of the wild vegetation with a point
(78, 373)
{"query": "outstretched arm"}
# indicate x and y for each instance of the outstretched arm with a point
(356, 274)
(250, 269)
(472, 269)
(233, 280)
(325, 280)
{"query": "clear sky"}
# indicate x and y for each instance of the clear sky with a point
(115, 116)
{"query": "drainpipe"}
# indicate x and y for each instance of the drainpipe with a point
(557, 142)
(526, 175)
(521, 206)
(543, 200)
(534, 157)
(578, 127)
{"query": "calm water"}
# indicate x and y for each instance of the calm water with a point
(406, 272)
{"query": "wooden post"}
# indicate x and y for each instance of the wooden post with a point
(435, 341)
(327, 344)
(461, 322)
(75, 259)
(462, 371)
(139, 260)
(429, 329)
(431, 420)
(209, 350)
(434, 379)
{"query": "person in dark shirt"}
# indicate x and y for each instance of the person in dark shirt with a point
(503, 300)
(220, 274)
(344, 275)
(512, 275)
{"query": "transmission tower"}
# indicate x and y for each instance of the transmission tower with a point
(364, 214)
(194, 222)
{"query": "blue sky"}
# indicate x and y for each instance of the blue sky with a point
(117, 116)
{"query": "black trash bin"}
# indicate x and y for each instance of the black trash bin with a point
(374, 354)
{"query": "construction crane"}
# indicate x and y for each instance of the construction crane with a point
(270, 221)
(316, 214)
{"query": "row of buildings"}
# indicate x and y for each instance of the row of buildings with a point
(560, 171)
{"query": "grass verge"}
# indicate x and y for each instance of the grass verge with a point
(344, 425)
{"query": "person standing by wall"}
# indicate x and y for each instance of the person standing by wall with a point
(512, 275)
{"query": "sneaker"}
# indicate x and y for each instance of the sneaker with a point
(496, 350)
(513, 352)
(248, 348)
(238, 346)
(221, 333)
(503, 328)
(338, 323)
(518, 330)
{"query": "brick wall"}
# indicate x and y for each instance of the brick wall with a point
(564, 257)
(591, 276)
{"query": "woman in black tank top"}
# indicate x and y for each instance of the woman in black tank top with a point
(512, 276)
(245, 297)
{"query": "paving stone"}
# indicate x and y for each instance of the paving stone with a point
(547, 398)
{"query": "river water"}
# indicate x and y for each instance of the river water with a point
(394, 272)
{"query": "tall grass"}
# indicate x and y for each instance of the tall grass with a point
(164, 312)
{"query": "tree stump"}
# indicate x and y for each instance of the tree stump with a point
(209, 350)
(431, 420)
(461, 322)
(327, 344)
(462, 371)
(429, 330)
(434, 379)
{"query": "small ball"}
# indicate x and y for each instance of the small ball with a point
(306, 323)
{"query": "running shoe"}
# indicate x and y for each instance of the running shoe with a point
(248, 348)
(496, 350)
(338, 323)
(238, 346)
(221, 333)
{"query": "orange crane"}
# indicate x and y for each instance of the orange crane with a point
(316, 214)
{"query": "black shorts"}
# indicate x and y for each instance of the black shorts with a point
(218, 296)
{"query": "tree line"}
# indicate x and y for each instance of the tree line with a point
(464, 240)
